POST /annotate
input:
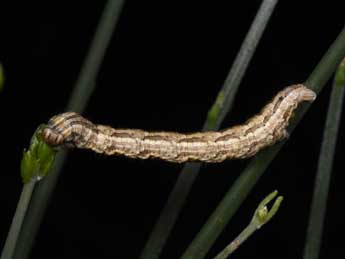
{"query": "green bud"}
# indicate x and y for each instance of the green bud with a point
(34, 143)
(46, 157)
(29, 166)
(38, 160)
(262, 214)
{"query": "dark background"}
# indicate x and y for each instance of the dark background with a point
(165, 64)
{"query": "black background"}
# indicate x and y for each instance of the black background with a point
(165, 64)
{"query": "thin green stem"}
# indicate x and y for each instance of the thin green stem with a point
(87, 78)
(216, 115)
(36, 162)
(323, 175)
(252, 173)
(38, 204)
(243, 236)
(79, 98)
(229, 204)
(17, 221)
(239, 67)
(261, 217)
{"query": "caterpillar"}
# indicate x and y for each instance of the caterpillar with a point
(71, 130)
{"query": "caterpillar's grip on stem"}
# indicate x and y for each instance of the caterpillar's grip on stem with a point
(269, 126)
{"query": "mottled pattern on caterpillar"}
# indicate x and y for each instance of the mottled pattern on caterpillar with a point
(269, 126)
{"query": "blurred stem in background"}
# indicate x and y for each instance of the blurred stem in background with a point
(85, 85)
(257, 166)
(216, 115)
(323, 175)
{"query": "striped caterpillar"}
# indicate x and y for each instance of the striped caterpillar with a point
(269, 126)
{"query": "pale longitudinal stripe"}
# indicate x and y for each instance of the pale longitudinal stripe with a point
(269, 126)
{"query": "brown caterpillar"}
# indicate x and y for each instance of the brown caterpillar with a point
(269, 126)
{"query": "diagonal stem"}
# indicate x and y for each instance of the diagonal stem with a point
(79, 98)
(257, 166)
(17, 221)
(222, 105)
(261, 217)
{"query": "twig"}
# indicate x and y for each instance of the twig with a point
(261, 217)
(35, 164)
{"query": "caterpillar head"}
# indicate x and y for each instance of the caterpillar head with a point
(58, 131)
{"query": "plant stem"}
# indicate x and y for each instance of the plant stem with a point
(239, 67)
(261, 217)
(87, 78)
(252, 173)
(222, 106)
(17, 221)
(79, 98)
(323, 175)
(243, 236)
